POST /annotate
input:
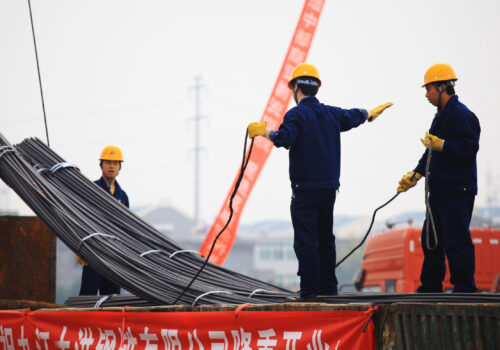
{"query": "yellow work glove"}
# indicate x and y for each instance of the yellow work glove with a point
(408, 182)
(80, 261)
(375, 112)
(437, 143)
(256, 129)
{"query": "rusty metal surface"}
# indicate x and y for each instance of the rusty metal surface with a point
(27, 259)
(6, 304)
(438, 326)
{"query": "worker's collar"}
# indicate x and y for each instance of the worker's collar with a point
(451, 102)
(309, 99)
(102, 181)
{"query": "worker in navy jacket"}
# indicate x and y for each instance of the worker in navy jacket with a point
(454, 141)
(110, 162)
(311, 133)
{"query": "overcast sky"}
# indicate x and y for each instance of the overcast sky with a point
(120, 72)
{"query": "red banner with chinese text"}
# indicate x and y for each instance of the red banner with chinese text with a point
(224, 330)
(273, 114)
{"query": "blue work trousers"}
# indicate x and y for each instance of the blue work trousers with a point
(452, 212)
(92, 282)
(314, 242)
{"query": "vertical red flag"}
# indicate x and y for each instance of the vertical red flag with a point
(273, 114)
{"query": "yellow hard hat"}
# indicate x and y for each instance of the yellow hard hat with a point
(304, 70)
(439, 72)
(111, 152)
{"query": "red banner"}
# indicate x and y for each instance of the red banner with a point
(273, 114)
(224, 330)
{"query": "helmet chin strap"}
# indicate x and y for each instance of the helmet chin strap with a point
(294, 90)
(440, 93)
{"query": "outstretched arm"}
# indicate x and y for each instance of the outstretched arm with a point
(375, 112)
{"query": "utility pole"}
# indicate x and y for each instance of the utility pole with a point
(197, 148)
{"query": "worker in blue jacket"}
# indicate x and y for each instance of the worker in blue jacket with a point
(110, 163)
(454, 140)
(311, 133)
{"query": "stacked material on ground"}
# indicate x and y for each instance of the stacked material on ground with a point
(346, 298)
(113, 240)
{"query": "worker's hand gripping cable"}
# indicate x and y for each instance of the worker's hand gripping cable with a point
(257, 129)
(244, 164)
(428, 213)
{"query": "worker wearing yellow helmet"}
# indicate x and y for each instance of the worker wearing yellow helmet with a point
(311, 133)
(110, 162)
(454, 140)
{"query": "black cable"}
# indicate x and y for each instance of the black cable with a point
(369, 229)
(429, 218)
(236, 186)
(428, 210)
(39, 75)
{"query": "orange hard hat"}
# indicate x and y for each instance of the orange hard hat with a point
(304, 70)
(439, 72)
(111, 152)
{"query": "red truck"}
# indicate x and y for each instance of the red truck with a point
(392, 261)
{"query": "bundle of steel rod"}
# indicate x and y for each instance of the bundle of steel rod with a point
(113, 240)
(346, 298)
(389, 298)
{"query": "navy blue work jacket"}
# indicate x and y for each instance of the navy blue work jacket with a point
(119, 194)
(311, 131)
(453, 169)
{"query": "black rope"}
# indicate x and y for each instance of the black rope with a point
(39, 75)
(244, 164)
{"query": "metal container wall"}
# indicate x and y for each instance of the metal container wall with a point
(440, 326)
(27, 259)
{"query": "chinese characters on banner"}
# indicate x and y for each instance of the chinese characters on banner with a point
(273, 115)
(226, 330)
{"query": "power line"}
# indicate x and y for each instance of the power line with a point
(39, 75)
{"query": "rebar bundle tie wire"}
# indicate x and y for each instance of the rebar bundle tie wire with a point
(208, 293)
(62, 165)
(5, 149)
(94, 235)
(151, 251)
(76, 209)
(256, 291)
(102, 300)
(182, 251)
